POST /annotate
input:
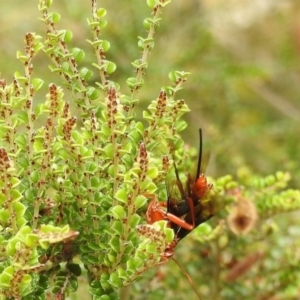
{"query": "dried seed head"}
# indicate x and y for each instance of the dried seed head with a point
(243, 216)
(5, 162)
(2, 83)
(242, 267)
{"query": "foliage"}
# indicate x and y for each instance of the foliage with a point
(74, 185)
(92, 179)
(246, 251)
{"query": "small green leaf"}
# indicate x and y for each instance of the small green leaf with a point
(24, 231)
(35, 176)
(147, 23)
(78, 54)
(152, 172)
(137, 64)
(86, 73)
(203, 229)
(21, 221)
(92, 93)
(111, 171)
(94, 246)
(115, 280)
(178, 144)
(101, 12)
(65, 66)
(102, 23)
(21, 57)
(4, 216)
(21, 141)
(140, 201)
(122, 273)
(19, 209)
(55, 17)
(48, 3)
(37, 83)
(20, 76)
(108, 150)
(134, 220)
(95, 182)
(172, 76)
(148, 186)
(112, 256)
(133, 83)
(151, 248)
(146, 43)
(151, 3)
(73, 284)
(5, 277)
(20, 117)
(15, 195)
(169, 235)
(115, 244)
(117, 226)
(66, 35)
(15, 181)
(74, 269)
(95, 284)
(111, 67)
(147, 116)
(180, 125)
(31, 240)
(38, 145)
(105, 45)
(121, 196)
(118, 212)
(38, 47)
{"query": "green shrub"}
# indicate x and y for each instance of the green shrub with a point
(75, 186)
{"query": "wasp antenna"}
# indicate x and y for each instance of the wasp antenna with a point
(200, 154)
(188, 278)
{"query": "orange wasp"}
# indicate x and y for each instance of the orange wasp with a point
(187, 213)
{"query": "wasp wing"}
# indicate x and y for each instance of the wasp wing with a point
(174, 196)
(206, 208)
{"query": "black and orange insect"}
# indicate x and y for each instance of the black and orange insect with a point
(186, 210)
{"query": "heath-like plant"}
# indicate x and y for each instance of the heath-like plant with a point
(75, 186)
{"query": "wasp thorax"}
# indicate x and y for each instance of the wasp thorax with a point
(201, 187)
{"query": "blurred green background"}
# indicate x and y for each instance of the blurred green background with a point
(244, 90)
